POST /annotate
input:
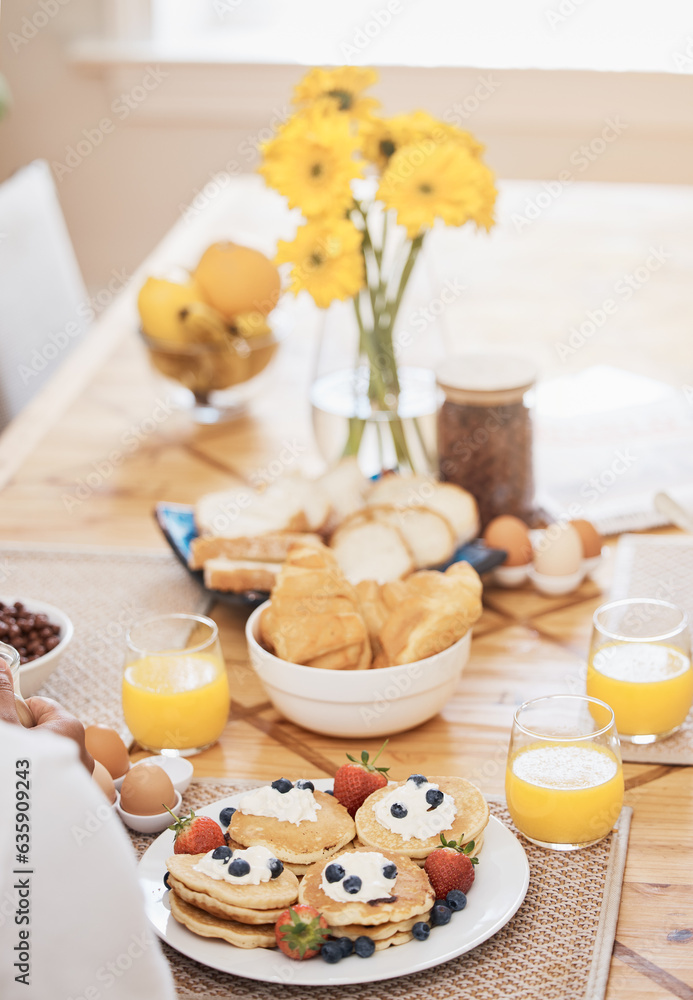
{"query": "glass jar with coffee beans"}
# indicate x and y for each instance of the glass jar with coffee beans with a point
(485, 432)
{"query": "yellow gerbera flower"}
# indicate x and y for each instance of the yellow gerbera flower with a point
(382, 137)
(427, 181)
(327, 260)
(311, 162)
(342, 88)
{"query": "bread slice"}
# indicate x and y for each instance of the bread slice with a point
(270, 547)
(236, 575)
(455, 504)
(368, 548)
(346, 488)
(428, 534)
(288, 504)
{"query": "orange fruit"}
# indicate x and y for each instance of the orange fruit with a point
(237, 280)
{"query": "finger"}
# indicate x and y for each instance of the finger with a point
(8, 710)
(52, 717)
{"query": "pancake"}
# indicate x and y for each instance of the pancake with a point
(304, 844)
(396, 939)
(278, 893)
(224, 910)
(470, 821)
(206, 925)
(377, 932)
(412, 895)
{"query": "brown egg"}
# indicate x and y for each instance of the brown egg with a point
(590, 538)
(510, 533)
(106, 746)
(147, 791)
(104, 781)
(559, 553)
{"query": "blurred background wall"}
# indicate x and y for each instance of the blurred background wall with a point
(143, 106)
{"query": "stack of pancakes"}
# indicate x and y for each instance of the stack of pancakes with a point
(297, 846)
(386, 921)
(469, 823)
(243, 915)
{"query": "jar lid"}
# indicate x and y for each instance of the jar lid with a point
(485, 379)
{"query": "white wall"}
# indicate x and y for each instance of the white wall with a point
(197, 120)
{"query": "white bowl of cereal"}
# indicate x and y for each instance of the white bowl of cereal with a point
(35, 669)
(364, 703)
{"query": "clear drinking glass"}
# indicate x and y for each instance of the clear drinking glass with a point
(10, 656)
(175, 688)
(640, 664)
(564, 778)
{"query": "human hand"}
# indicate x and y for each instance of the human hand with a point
(48, 715)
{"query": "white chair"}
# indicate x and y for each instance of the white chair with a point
(44, 306)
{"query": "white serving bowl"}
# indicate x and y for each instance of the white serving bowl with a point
(35, 673)
(149, 824)
(179, 769)
(360, 703)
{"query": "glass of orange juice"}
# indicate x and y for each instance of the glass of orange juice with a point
(175, 688)
(564, 778)
(640, 664)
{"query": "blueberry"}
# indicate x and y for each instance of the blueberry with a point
(442, 902)
(305, 784)
(456, 900)
(364, 947)
(418, 779)
(390, 871)
(334, 873)
(421, 930)
(440, 915)
(346, 946)
(225, 815)
(238, 867)
(352, 884)
(222, 854)
(328, 791)
(275, 866)
(282, 785)
(434, 797)
(331, 952)
(398, 810)
(166, 878)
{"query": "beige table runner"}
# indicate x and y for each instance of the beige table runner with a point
(103, 591)
(557, 947)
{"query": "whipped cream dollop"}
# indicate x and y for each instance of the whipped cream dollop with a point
(411, 811)
(296, 806)
(359, 877)
(258, 859)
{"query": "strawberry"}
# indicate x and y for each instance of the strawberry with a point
(354, 782)
(300, 931)
(196, 834)
(451, 867)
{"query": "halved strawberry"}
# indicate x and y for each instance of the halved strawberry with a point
(451, 866)
(354, 782)
(300, 931)
(196, 834)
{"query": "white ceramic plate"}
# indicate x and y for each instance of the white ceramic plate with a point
(502, 877)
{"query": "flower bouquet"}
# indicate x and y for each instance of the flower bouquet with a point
(360, 239)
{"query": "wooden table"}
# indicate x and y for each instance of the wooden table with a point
(54, 462)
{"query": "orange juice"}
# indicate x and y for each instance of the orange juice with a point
(177, 700)
(648, 685)
(564, 793)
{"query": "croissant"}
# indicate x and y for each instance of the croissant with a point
(314, 618)
(427, 612)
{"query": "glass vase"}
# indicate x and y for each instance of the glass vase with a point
(377, 403)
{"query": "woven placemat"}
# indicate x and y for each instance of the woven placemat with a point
(104, 592)
(659, 566)
(557, 946)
